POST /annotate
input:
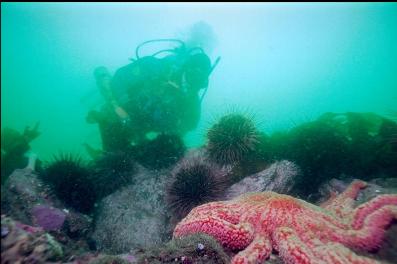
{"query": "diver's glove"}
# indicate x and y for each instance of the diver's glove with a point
(121, 113)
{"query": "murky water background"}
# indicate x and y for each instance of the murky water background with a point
(286, 63)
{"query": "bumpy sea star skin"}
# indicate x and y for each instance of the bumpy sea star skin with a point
(257, 223)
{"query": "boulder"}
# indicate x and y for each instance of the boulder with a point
(278, 177)
(135, 216)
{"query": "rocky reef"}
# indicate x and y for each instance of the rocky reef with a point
(139, 208)
(278, 177)
(26, 199)
(198, 249)
(132, 218)
(26, 244)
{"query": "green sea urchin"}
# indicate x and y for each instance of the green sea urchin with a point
(234, 136)
(194, 181)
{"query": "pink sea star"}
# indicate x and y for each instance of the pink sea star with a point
(256, 223)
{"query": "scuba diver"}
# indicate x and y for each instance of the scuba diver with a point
(152, 95)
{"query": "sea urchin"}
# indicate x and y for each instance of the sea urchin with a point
(231, 138)
(69, 178)
(195, 181)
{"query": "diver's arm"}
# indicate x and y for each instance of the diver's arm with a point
(121, 113)
(103, 82)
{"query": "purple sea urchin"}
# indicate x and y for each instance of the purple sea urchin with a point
(195, 181)
(234, 136)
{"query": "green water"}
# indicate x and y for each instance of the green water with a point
(286, 63)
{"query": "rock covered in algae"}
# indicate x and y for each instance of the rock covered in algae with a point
(134, 216)
(198, 249)
(27, 200)
(48, 217)
(278, 177)
(22, 191)
(20, 244)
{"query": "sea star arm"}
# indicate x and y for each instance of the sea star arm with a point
(257, 251)
(335, 253)
(233, 236)
(228, 212)
(294, 251)
(342, 204)
(371, 234)
(291, 248)
(366, 209)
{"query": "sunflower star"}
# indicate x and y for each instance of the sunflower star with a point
(256, 223)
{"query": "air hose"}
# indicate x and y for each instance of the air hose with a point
(157, 40)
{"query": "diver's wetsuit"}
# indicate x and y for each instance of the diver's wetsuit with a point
(114, 133)
(157, 95)
(152, 92)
